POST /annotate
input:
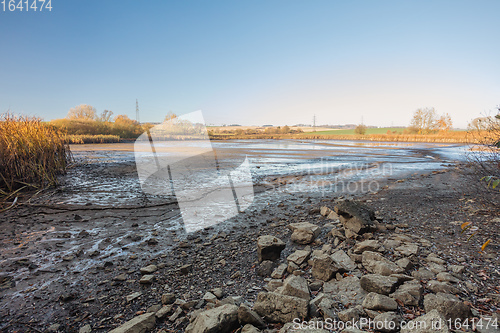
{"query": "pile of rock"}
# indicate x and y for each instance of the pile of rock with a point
(370, 274)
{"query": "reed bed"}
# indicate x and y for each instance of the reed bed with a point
(100, 138)
(32, 154)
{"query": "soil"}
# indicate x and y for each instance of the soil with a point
(60, 263)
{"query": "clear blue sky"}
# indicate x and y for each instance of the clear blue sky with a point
(254, 61)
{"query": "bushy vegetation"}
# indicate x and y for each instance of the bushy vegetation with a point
(81, 139)
(32, 154)
(360, 130)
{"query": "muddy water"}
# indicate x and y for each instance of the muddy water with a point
(100, 215)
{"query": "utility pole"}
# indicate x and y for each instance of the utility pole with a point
(314, 123)
(137, 111)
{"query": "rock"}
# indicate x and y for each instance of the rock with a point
(304, 232)
(296, 286)
(167, 298)
(221, 319)
(217, 292)
(436, 268)
(147, 279)
(402, 278)
(274, 284)
(249, 329)
(6, 281)
(347, 291)
(163, 311)
(351, 315)
(325, 211)
(488, 324)
(133, 296)
(441, 287)
(368, 245)
(457, 269)
(316, 285)
(432, 322)
(378, 283)
(297, 328)
(209, 297)
(176, 314)
(138, 324)
(391, 244)
(265, 268)
(377, 264)
(409, 293)
(344, 260)
(279, 272)
(423, 274)
(121, 277)
(149, 269)
(374, 301)
(435, 259)
(53, 328)
(387, 322)
(248, 316)
(354, 216)
(154, 308)
(324, 306)
(408, 249)
(447, 305)
(269, 247)
(324, 267)
(185, 269)
(280, 308)
(404, 263)
(299, 257)
(447, 277)
(85, 329)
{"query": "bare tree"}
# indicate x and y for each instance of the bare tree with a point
(424, 120)
(82, 112)
(105, 116)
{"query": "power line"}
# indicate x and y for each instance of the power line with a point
(137, 111)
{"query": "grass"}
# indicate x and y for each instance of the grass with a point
(382, 130)
(82, 139)
(32, 154)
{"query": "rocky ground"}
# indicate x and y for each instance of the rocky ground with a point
(393, 256)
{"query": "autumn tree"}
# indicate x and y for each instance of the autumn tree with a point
(424, 121)
(360, 129)
(82, 112)
(170, 115)
(105, 116)
(444, 123)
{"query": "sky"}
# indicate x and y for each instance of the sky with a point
(254, 62)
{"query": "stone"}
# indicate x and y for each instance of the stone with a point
(218, 292)
(274, 284)
(347, 291)
(304, 232)
(163, 311)
(269, 248)
(265, 268)
(457, 269)
(316, 285)
(378, 283)
(447, 305)
(447, 277)
(186, 269)
(409, 293)
(250, 329)
(175, 315)
(408, 249)
(121, 277)
(279, 272)
(442, 287)
(296, 286)
(147, 279)
(299, 257)
(149, 269)
(387, 322)
(374, 301)
(344, 260)
(391, 244)
(435, 259)
(222, 319)
(368, 245)
(54, 328)
(431, 322)
(351, 315)
(209, 297)
(85, 329)
(324, 267)
(436, 268)
(276, 307)
(168, 298)
(423, 274)
(133, 296)
(354, 216)
(248, 316)
(402, 278)
(139, 324)
(333, 216)
(377, 264)
(404, 263)
(324, 306)
(325, 211)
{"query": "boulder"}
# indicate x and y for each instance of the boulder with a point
(442, 287)
(346, 291)
(324, 267)
(387, 322)
(138, 324)
(304, 232)
(354, 216)
(409, 293)
(296, 286)
(377, 264)
(404, 263)
(447, 305)
(374, 301)
(378, 283)
(368, 245)
(248, 316)
(221, 319)
(273, 284)
(344, 260)
(299, 257)
(431, 322)
(269, 247)
(280, 308)
(265, 268)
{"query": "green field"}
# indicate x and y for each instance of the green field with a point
(382, 130)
